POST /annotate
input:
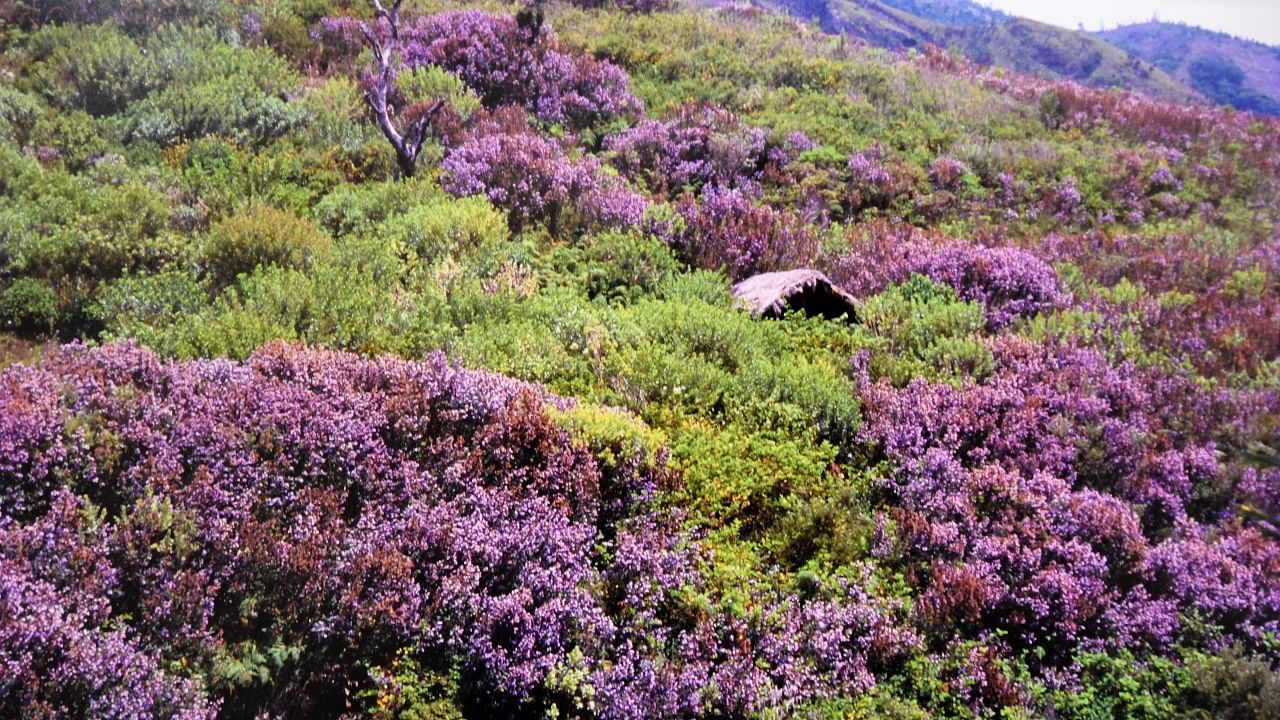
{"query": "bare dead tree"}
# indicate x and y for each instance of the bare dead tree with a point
(407, 143)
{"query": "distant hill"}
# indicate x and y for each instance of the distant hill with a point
(1037, 48)
(1228, 70)
(990, 37)
(956, 13)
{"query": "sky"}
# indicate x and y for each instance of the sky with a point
(1253, 19)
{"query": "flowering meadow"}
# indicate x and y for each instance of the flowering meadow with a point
(302, 417)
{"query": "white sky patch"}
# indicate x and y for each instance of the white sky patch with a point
(1253, 19)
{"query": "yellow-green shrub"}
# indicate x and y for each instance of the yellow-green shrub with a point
(263, 236)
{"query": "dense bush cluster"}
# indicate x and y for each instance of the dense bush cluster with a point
(309, 526)
(493, 438)
(508, 63)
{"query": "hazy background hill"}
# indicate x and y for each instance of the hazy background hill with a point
(991, 37)
(1226, 69)
(957, 13)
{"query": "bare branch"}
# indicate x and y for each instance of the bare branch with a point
(406, 147)
(423, 125)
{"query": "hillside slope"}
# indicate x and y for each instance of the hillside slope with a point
(1036, 48)
(1226, 69)
(991, 38)
(956, 13)
(487, 433)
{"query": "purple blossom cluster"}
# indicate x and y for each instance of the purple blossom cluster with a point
(506, 63)
(726, 230)
(872, 182)
(261, 538)
(1007, 282)
(699, 145)
(523, 173)
(1222, 329)
(1054, 502)
(611, 203)
(534, 180)
(946, 173)
(59, 655)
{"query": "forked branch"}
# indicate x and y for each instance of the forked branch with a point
(407, 142)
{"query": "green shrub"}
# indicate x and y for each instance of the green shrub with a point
(231, 333)
(359, 209)
(215, 178)
(740, 480)
(621, 266)
(263, 236)
(1121, 687)
(94, 68)
(337, 115)
(209, 87)
(795, 395)
(131, 212)
(27, 306)
(138, 305)
(336, 305)
(431, 83)
(225, 106)
(71, 137)
(73, 232)
(446, 228)
(702, 286)
(663, 381)
(1230, 686)
(557, 338)
(921, 329)
(19, 113)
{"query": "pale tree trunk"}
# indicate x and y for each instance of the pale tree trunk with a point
(409, 143)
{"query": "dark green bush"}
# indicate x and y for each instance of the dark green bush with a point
(71, 137)
(94, 68)
(75, 231)
(19, 113)
(28, 307)
(358, 209)
(623, 266)
(445, 228)
(1232, 685)
(136, 305)
(744, 481)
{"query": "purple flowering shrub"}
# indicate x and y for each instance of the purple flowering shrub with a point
(519, 171)
(946, 173)
(1008, 282)
(1231, 321)
(874, 181)
(534, 180)
(1053, 502)
(177, 539)
(506, 63)
(699, 145)
(726, 230)
(59, 654)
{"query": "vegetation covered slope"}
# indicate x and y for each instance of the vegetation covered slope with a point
(956, 13)
(1226, 69)
(494, 440)
(1013, 43)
